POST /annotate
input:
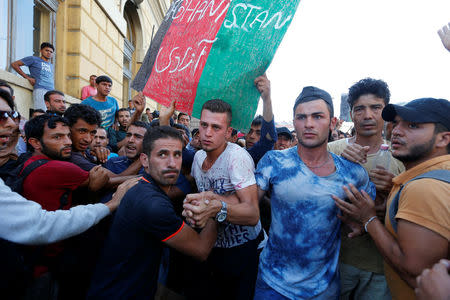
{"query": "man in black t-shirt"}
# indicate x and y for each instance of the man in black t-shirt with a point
(144, 222)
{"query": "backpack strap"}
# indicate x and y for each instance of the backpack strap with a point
(32, 166)
(64, 199)
(441, 174)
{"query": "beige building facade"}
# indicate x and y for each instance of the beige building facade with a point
(91, 37)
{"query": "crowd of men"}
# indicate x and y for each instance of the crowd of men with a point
(102, 202)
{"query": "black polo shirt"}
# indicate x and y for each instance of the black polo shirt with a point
(129, 265)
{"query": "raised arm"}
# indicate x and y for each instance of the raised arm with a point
(139, 104)
(444, 34)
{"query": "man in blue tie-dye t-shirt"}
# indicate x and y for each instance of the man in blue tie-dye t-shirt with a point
(300, 260)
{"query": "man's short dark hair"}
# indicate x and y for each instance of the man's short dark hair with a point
(47, 45)
(156, 133)
(369, 86)
(182, 114)
(92, 76)
(140, 124)
(5, 84)
(5, 95)
(81, 111)
(53, 92)
(218, 106)
(103, 78)
(257, 121)
(34, 128)
(147, 109)
(121, 109)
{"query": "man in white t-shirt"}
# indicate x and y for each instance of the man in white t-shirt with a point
(224, 174)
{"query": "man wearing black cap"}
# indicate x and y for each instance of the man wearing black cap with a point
(284, 140)
(300, 260)
(417, 231)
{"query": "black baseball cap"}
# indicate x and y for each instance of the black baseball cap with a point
(311, 93)
(284, 131)
(423, 110)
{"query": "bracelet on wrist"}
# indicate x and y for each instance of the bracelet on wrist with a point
(368, 222)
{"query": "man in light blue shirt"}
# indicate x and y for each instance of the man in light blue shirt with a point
(41, 73)
(106, 105)
(300, 260)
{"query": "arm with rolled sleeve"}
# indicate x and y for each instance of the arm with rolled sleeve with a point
(25, 222)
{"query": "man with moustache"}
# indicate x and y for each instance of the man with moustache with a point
(26, 222)
(300, 260)
(52, 183)
(416, 232)
(133, 149)
(55, 102)
(361, 265)
(145, 223)
(101, 141)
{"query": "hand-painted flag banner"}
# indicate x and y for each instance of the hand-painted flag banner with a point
(214, 49)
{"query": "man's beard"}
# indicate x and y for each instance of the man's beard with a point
(417, 152)
(54, 154)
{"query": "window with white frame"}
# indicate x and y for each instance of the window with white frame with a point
(24, 25)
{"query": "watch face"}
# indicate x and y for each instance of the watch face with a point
(221, 217)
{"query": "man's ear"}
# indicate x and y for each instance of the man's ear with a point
(144, 160)
(35, 143)
(442, 139)
(229, 131)
(333, 123)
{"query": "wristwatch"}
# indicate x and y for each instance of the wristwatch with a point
(222, 214)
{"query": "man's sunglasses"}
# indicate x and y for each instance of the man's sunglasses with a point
(14, 115)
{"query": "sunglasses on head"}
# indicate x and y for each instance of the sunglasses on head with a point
(14, 115)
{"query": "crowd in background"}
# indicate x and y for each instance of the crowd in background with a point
(102, 202)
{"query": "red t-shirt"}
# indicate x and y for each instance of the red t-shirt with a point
(47, 183)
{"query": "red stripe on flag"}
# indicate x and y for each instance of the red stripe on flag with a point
(184, 52)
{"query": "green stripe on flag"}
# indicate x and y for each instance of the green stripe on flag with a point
(245, 46)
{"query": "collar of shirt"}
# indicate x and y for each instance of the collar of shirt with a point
(431, 164)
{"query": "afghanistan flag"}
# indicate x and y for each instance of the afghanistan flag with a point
(214, 49)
